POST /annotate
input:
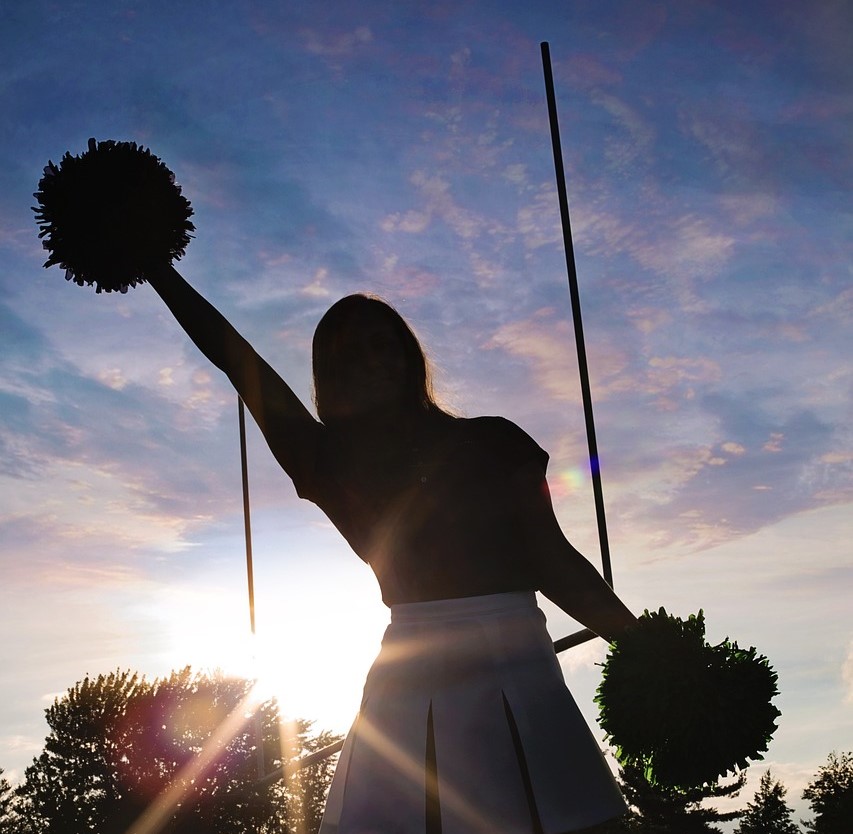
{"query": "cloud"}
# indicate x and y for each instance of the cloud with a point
(317, 287)
(634, 137)
(436, 192)
(538, 222)
(480, 237)
(748, 208)
(112, 378)
(21, 456)
(516, 173)
(20, 747)
(112, 425)
(732, 145)
(648, 319)
(335, 44)
(410, 222)
(21, 344)
(839, 308)
(15, 238)
(847, 674)
(823, 33)
(545, 343)
(666, 375)
(407, 281)
(690, 249)
(673, 253)
(587, 71)
(760, 471)
(774, 442)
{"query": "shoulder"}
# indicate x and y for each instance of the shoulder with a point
(504, 438)
(498, 428)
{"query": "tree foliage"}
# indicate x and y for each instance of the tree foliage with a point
(662, 809)
(188, 748)
(768, 813)
(7, 809)
(830, 795)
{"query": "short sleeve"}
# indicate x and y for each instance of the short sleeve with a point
(513, 445)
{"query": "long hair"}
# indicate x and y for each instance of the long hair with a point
(328, 398)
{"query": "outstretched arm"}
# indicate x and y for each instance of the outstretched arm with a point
(564, 575)
(289, 428)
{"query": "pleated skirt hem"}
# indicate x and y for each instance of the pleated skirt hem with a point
(466, 726)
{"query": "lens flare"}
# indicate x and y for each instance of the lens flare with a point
(568, 481)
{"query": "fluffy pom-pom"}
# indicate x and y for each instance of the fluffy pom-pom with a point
(684, 711)
(110, 214)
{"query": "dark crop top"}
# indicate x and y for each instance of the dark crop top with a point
(438, 522)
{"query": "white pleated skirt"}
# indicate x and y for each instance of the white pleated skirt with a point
(466, 726)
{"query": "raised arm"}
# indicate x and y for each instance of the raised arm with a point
(565, 576)
(289, 428)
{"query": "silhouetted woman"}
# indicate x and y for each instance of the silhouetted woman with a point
(466, 724)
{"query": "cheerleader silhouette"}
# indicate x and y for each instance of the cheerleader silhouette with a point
(466, 724)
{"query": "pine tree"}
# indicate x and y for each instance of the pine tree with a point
(830, 795)
(6, 799)
(656, 809)
(12, 819)
(768, 813)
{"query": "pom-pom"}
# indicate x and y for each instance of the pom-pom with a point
(111, 214)
(684, 711)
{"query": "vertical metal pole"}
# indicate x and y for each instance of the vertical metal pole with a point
(594, 467)
(247, 526)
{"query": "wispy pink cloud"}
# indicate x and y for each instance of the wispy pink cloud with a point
(331, 44)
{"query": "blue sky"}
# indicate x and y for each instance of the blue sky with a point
(403, 149)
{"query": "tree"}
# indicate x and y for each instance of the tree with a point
(659, 809)
(310, 787)
(71, 784)
(768, 813)
(6, 805)
(5, 795)
(12, 821)
(186, 748)
(830, 795)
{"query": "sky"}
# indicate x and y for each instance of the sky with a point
(403, 149)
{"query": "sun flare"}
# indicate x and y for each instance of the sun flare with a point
(312, 660)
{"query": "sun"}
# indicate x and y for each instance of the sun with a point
(311, 658)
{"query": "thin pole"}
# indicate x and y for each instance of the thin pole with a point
(247, 526)
(594, 466)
